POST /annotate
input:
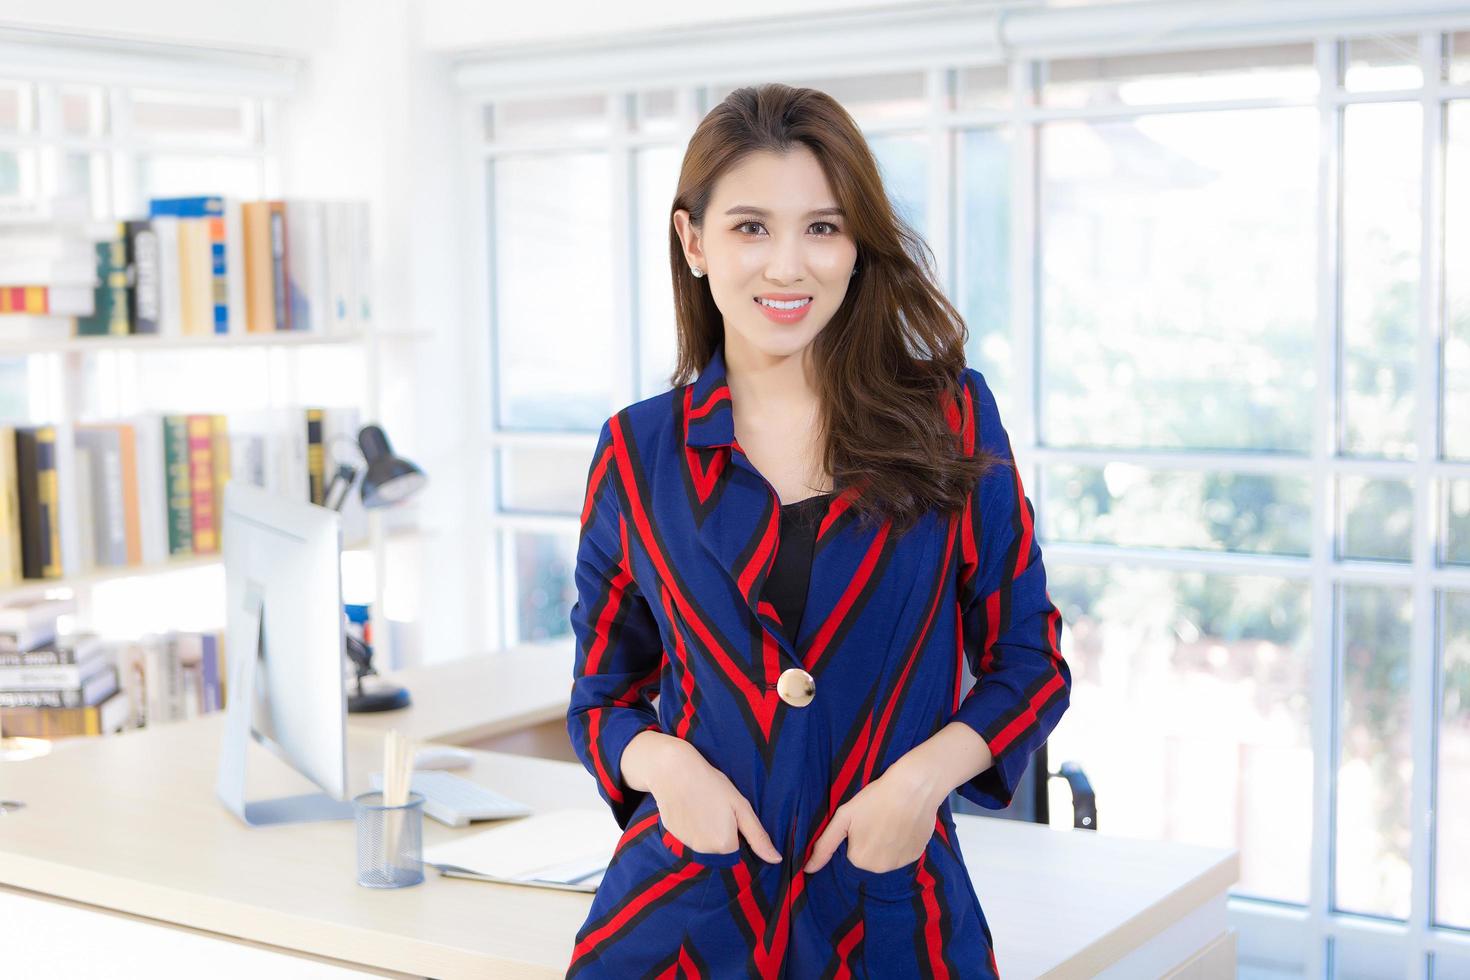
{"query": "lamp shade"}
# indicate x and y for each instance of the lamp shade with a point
(389, 479)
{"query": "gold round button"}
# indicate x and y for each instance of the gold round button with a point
(796, 687)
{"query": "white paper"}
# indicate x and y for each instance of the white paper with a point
(560, 845)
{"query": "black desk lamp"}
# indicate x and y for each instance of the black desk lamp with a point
(388, 481)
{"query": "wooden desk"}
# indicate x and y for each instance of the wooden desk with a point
(513, 700)
(125, 834)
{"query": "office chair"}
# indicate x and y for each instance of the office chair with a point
(1031, 801)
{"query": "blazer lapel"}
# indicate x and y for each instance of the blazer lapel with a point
(738, 521)
(737, 518)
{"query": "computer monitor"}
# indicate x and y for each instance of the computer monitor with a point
(285, 649)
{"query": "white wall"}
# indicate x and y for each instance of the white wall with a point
(279, 26)
(374, 118)
(461, 24)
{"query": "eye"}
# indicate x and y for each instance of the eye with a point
(818, 224)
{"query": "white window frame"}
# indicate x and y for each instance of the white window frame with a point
(119, 67)
(937, 41)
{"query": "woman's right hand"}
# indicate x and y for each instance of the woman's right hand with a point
(697, 802)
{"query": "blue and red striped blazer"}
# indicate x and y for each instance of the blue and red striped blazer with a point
(679, 532)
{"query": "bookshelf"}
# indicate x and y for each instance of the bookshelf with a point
(63, 365)
(38, 587)
(12, 347)
(120, 124)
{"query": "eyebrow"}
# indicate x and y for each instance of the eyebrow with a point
(751, 209)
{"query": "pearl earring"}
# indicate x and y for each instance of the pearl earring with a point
(696, 270)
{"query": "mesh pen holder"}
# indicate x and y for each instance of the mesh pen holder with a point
(390, 841)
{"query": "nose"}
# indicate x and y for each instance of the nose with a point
(787, 261)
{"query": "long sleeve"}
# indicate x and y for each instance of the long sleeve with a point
(619, 652)
(1010, 629)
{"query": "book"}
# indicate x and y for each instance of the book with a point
(74, 654)
(201, 484)
(10, 557)
(260, 307)
(235, 263)
(127, 449)
(210, 670)
(176, 475)
(84, 659)
(100, 502)
(96, 687)
(170, 305)
(112, 715)
(191, 206)
(82, 472)
(189, 650)
(280, 266)
(39, 500)
(47, 299)
(305, 264)
(144, 296)
(109, 316)
(206, 219)
(152, 493)
(196, 277)
(219, 457)
(171, 680)
(30, 623)
(130, 657)
(316, 474)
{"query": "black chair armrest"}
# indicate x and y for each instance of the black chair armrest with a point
(1084, 802)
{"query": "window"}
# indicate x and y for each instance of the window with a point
(552, 245)
(1203, 284)
(117, 145)
(1174, 309)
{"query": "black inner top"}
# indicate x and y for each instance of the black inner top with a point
(785, 587)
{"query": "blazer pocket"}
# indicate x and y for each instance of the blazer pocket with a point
(679, 850)
(894, 885)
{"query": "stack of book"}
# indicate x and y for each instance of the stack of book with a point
(206, 265)
(47, 259)
(82, 685)
(151, 487)
(54, 685)
(173, 676)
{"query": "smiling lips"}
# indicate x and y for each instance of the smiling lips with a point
(783, 307)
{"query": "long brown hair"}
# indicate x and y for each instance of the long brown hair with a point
(896, 345)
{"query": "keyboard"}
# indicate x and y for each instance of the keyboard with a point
(455, 801)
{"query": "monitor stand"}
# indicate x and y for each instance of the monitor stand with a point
(239, 729)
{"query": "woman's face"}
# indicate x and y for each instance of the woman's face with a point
(773, 230)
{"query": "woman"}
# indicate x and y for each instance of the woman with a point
(800, 553)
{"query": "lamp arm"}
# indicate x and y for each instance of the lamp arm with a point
(346, 475)
(344, 471)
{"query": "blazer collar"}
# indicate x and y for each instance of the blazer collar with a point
(711, 420)
(738, 521)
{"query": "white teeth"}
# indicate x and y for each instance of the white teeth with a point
(783, 304)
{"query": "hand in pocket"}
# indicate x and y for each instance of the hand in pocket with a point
(701, 807)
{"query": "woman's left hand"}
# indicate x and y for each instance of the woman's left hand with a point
(887, 823)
